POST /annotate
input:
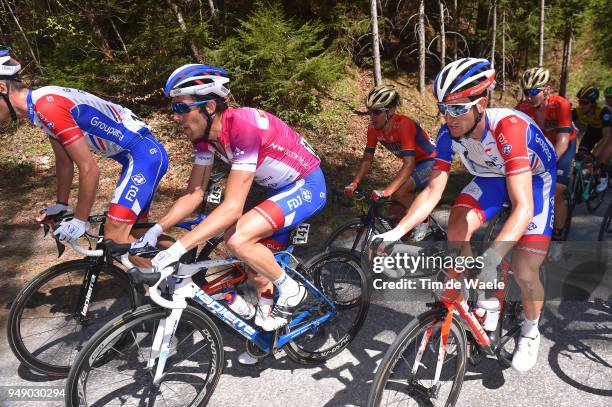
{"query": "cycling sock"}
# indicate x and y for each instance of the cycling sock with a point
(530, 328)
(286, 285)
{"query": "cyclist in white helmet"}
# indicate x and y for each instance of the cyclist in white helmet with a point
(512, 162)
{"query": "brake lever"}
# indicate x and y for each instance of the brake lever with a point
(46, 229)
(60, 247)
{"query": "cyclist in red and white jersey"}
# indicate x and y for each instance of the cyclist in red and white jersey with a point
(78, 122)
(512, 162)
(260, 148)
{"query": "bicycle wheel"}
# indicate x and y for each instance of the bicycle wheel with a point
(338, 275)
(44, 331)
(402, 379)
(595, 198)
(191, 373)
(350, 235)
(605, 232)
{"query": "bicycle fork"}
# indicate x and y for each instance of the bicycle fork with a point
(161, 343)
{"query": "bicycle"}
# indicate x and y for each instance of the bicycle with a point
(55, 313)
(582, 188)
(179, 343)
(356, 232)
(605, 232)
(424, 347)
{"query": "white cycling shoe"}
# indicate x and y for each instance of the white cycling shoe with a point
(283, 309)
(247, 360)
(602, 185)
(526, 353)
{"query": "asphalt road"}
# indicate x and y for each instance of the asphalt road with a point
(574, 364)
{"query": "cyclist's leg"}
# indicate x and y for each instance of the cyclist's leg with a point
(289, 207)
(418, 180)
(143, 168)
(530, 251)
(564, 167)
(479, 201)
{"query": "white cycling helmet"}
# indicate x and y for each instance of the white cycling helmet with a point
(535, 78)
(466, 77)
(9, 66)
(205, 81)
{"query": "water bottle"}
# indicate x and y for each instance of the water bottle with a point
(239, 305)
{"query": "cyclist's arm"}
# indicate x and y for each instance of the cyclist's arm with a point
(408, 164)
(64, 171)
(425, 202)
(521, 196)
(227, 213)
(89, 175)
(364, 166)
(191, 199)
(561, 143)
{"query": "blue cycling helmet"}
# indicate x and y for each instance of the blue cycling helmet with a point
(205, 81)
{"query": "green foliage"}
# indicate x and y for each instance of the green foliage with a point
(277, 64)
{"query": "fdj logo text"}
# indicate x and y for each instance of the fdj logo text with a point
(131, 193)
(294, 203)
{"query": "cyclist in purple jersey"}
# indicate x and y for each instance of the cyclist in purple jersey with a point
(261, 149)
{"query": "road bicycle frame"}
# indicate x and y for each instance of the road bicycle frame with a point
(182, 287)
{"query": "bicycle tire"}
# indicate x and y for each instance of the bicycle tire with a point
(348, 226)
(596, 198)
(30, 295)
(401, 343)
(300, 349)
(605, 224)
(76, 384)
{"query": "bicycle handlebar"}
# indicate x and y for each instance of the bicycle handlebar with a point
(153, 280)
(85, 252)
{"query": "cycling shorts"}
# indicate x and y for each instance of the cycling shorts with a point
(144, 165)
(287, 207)
(421, 173)
(487, 196)
(564, 165)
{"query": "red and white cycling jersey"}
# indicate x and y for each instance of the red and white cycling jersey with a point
(511, 144)
(67, 115)
(257, 141)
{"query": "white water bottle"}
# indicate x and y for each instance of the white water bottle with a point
(239, 305)
(491, 306)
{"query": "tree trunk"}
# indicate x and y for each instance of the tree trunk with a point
(97, 31)
(456, 29)
(110, 17)
(493, 42)
(25, 38)
(442, 36)
(503, 56)
(212, 7)
(179, 18)
(422, 47)
(567, 53)
(541, 54)
(375, 49)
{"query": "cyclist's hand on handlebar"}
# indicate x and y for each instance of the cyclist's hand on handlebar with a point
(168, 257)
(349, 190)
(70, 230)
(47, 214)
(380, 194)
(149, 238)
